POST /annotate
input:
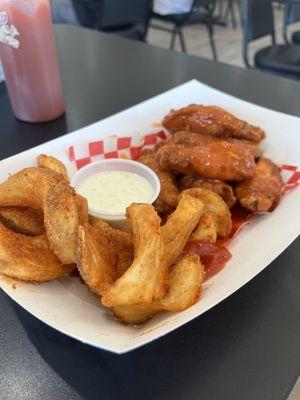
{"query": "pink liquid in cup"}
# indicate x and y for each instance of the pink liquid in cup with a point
(31, 69)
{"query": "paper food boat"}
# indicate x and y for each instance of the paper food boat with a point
(68, 306)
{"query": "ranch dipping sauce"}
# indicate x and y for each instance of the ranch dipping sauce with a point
(114, 191)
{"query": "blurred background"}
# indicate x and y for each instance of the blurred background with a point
(245, 33)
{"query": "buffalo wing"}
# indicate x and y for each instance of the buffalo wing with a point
(211, 120)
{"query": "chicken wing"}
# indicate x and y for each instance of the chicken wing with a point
(263, 191)
(197, 139)
(221, 188)
(224, 161)
(168, 197)
(211, 120)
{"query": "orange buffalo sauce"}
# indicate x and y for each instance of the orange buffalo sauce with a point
(215, 256)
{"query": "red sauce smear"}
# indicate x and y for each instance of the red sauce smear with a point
(239, 217)
(215, 256)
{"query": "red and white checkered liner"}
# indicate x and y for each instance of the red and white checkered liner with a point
(291, 177)
(131, 147)
(114, 147)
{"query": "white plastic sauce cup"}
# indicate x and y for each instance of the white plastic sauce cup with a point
(116, 219)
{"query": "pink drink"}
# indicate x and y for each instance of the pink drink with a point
(29, 60)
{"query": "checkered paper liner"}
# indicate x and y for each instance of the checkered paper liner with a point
(131, 147)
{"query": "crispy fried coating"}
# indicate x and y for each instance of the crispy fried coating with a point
(27, 187)
(135, 313)
(264, 190)
(191, 139)
(121, 242)
(168, 140)
(211, 120)
(61, 221)
(168, 196)
(223, 161)
(96, 259)
(206, 230)
(214, 205)
(145, 279)
(82, 208)
(29, 258)
(223, 189)
(22, 220)
(52, 163)
(43, 189)
(179, 226)
(185, 281)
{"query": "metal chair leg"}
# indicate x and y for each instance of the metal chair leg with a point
(182, 42)
(240, 11)
(210, 31)
(233, 16)
(230, 11)
(173, 38)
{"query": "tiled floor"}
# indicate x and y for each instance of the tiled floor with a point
(228, 40)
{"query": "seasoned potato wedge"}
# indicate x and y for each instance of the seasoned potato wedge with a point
(82, 208)
(53, 164)
(121, 241)
(145, 279)
(136, 313)
(22, 220)
(29, 258)
(43, 189)
(179, 226)
(215, 206)
(96, 259)
(61, 220)
(206, 229)
(185, 280)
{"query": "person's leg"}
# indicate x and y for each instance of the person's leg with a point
(89, 12)
(63, 12)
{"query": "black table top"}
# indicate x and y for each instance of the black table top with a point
(246, 348)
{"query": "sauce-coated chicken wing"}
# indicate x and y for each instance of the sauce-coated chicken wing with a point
(224, 161)
(168, 197)
(263, 191)
(211, 120)
(197, 139)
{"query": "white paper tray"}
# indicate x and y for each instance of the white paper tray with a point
(68, 306)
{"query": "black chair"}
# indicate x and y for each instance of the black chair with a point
(201, 13)
(279, 59)
(127, 18)
(291, 15)
(89, 12)
(230, 9)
